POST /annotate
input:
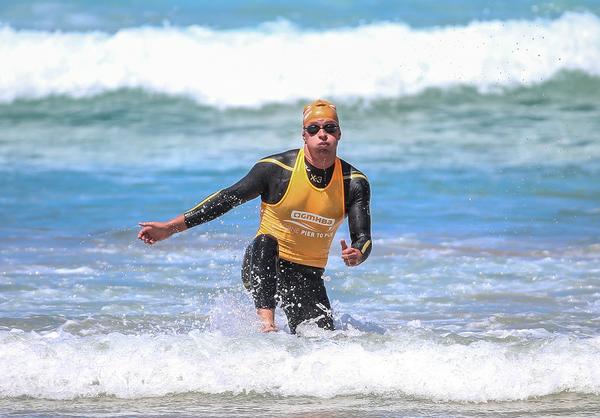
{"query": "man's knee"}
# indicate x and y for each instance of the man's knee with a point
(259, 273)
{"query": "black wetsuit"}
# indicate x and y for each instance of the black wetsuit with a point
(299, 288)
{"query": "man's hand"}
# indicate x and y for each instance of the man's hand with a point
(351, 256)
(155, 231)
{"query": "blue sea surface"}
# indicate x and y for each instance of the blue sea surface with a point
(112, 15)
(476, 123)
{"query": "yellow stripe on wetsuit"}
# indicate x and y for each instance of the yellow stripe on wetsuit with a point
(274, 161)
(356, 176)
(264, 160)
(204, 201)
(364, 247)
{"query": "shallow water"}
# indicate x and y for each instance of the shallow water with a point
(481, 296)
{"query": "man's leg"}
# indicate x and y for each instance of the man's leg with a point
(259, 275)
(303, 295)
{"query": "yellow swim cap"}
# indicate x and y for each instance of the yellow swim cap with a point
(319, 109)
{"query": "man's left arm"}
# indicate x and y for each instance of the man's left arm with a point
(359, 222)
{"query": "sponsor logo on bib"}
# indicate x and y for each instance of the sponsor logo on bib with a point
(309, 224)
(311, 217)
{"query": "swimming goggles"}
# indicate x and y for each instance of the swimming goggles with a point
(330, 128)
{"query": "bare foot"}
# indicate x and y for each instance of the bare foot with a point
(267, 319)
(268, 328)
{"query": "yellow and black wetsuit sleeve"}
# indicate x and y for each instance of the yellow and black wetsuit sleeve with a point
(357, 193)
(268, 178)
(218, 203)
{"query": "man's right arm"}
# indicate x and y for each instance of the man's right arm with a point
(215, 205)
(218, 203)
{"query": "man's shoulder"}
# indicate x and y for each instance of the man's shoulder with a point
(284, 159)
(351, 173)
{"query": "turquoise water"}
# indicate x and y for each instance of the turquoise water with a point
(476, 122)
(112, 15)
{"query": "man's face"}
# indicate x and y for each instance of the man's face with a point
(323, 144)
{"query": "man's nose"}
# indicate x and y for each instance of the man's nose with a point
(322, 134)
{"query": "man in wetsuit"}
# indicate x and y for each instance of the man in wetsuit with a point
(305, 193)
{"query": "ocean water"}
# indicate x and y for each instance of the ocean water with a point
(476, 122)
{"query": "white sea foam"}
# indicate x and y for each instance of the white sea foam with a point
(280, 63)
(63, 366)
(83, 270)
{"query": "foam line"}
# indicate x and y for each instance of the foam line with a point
(281, 63)
(62, 366)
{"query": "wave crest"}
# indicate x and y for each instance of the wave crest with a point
(280, 63)
(63, 366)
